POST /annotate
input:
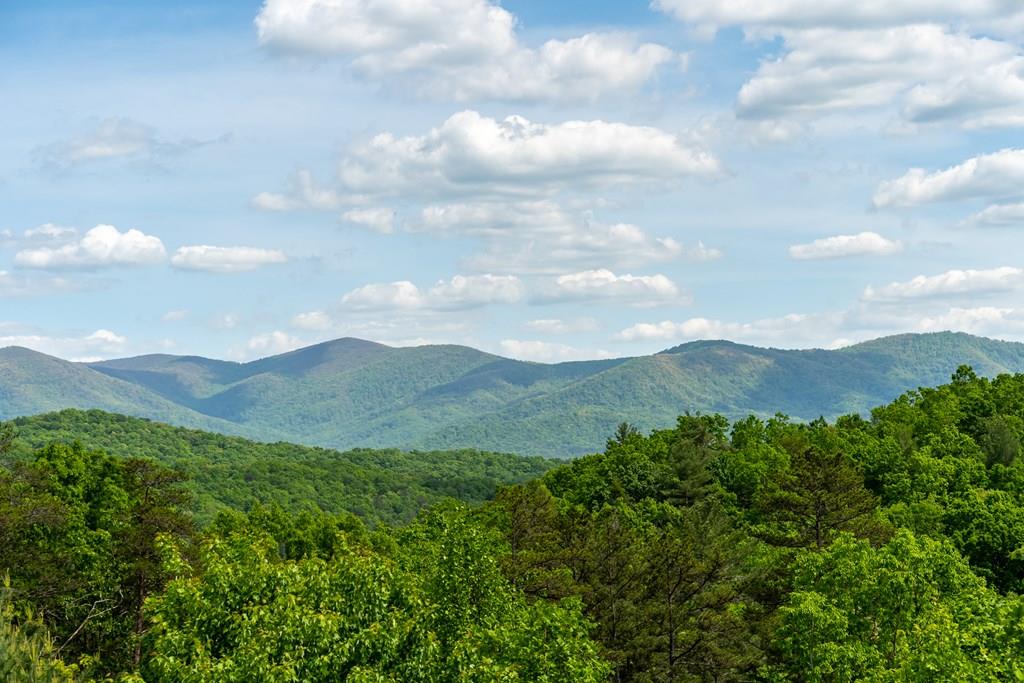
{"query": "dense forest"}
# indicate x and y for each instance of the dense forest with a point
(231, 473)
(350, 393)
(880, 548)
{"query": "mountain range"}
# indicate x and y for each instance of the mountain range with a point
(349, 392)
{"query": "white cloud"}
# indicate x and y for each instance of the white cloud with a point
(932, 74)
(950, 283)
(559, 326)
(303, 193)
(99, 344)
(104, 245)
(620, 246)
(998, 216)
(276, 201)
(990, 96)
(113, 139)
(841, 246)
(513, 169)
(988, 121)
(996, 175)
(495, 219)
(701, 253)
(787, 330)
(604, 285)
(50, 231)
(225, 259)
(379, 220)
(544, 237)
(471, 153)
(547, 352)
(983, 320)
(225, 321)
(834, 13)
(317, 321)
(461, 49)
(270, 344)
(925, 61)
(34, 284)
(385, 295)
(834, 329)
(459, 293)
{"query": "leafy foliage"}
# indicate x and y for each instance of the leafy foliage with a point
(880, 549)
(27, 653)
(230, 473)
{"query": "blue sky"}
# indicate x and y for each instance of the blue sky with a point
(541, 180)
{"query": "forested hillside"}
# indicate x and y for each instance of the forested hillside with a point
(881, 548)
(351, 393)
(233, 473)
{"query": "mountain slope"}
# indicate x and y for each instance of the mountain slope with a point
(32, 382)
(233, 473)
(350, 392)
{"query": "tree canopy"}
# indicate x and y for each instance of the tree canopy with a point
(887, 547)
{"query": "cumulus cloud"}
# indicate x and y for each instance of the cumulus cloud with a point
(558, 326)
(475, 155)
(982, 320)
(378, 220)
(544, 237)
(842, 246)
(472, 153)
(316, 321)
(547, 352)
(270, 344)
(788, 330)
(514, 170)
(933, 61)
(998, 216)
(459, 293)
(99, 344)
(922, 304)
(102, 246)
(834, 13)
(950, 283)
(833, 329)
(932, 73)
(225, 259)
(113, 139)
(461, 49)
(996, 175)
(604, 285)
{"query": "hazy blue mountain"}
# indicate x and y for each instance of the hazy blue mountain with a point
(32, 383)
(349, 392)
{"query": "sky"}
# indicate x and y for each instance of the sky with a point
(543, 180)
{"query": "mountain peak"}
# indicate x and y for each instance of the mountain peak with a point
(352, 392)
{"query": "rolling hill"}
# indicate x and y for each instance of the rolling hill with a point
(231, 473)
(348, 393)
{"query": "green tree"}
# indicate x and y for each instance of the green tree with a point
(819, 496)
(439, 611)
(910, 610)
(27, 653)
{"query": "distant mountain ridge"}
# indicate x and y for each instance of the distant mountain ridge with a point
(350, 392)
